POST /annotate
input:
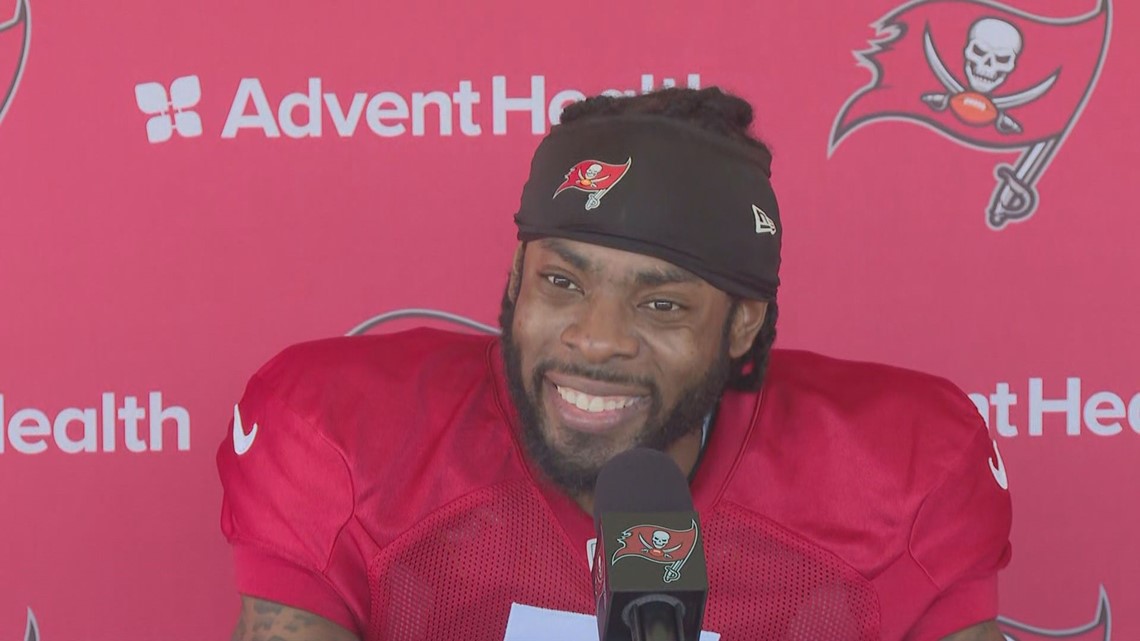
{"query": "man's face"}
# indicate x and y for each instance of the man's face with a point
(607, 350)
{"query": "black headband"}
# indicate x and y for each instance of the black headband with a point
(661, 187)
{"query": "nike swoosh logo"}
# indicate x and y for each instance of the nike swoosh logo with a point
(242, 440)
(999, 468)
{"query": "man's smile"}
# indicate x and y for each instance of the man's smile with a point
(589, 405)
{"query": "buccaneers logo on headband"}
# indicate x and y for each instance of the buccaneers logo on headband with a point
(594, 177)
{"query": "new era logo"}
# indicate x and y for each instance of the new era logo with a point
(170, 112)
(764, 224)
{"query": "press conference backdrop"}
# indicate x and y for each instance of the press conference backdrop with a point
(187, 187)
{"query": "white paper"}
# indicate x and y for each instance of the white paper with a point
(528, 623)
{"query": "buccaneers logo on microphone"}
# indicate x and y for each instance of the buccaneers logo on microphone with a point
(594, 177)
(986, 76)
(15, 32)
(660, 545)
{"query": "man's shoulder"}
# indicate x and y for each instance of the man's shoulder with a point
(376, 364)
(848, 437)
(359, 392)
(864, 428)
(876, 400)
(335, 435)
(803, 366)
(376, 405)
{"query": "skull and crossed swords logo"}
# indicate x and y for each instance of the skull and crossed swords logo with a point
(657, 547)
(1020, 85)
(990, 57)
(591, 178)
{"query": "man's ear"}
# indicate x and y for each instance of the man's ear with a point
(746, 324)
(516, 273)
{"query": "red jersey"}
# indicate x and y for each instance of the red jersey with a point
(378, 481)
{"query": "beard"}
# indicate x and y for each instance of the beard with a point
(573, 465)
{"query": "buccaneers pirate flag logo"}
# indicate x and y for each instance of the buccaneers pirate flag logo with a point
(15, 32)
(987, 76)
(663, 545)
(594, 177)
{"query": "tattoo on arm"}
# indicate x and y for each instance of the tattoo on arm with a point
(262, 620)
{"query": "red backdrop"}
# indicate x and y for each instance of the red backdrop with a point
(185, 188)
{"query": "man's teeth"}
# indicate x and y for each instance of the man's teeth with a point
(584, 401)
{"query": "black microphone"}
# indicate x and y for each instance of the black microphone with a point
(650, 578)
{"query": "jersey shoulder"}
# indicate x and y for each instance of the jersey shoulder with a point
(368, 401)
(328, 457)
(878, 452)
(899, 416)
(327, 372)
(358, 413)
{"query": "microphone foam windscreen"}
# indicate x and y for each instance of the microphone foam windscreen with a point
(641, 480)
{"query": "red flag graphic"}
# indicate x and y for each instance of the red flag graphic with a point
(987, 76)
(595, 177)
(658, 544)
(14, 31)
(987, 61)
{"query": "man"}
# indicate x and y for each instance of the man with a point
(415, 485)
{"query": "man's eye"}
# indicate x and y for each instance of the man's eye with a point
(664, 306)
(561, 281)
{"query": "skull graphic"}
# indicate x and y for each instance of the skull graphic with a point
(991, 53)
(660, 539)
(593, 170)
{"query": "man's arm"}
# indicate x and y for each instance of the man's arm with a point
(267, 621)
(987, 631)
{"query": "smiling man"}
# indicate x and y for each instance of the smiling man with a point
(416, 485)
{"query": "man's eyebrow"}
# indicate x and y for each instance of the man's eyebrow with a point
(569, 255)
(664, 276)
(648, 278)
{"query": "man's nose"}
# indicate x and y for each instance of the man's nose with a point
(602, 331)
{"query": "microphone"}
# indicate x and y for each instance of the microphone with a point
(650, 578)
